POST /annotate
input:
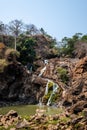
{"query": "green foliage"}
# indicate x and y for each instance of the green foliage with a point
(27, 117)
(55, 96)
(68, 47)
(76, 37)
(50, 86)
(77, 126)
(62, 72)
(7, 40)
(26, 46)
(65, 119)
(2, 128)
(53, 42)
(1, 38)
(50, 89)
(69, 44)
(84, 38)
(53, 122)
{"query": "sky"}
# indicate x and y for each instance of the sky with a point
(59, 18)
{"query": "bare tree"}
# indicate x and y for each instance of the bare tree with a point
(1, 27)
(31, 29)
(15, 28)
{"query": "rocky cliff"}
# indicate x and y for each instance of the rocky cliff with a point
(17, 84)
(70, 75)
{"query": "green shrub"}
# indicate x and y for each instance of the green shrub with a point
(50, 86)
(50, 89)
(26, 47)
(62, 72)
(55, 97)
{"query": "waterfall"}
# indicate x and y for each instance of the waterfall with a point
(42, 71)
(40, 102)
(55, 87)
(46, 90)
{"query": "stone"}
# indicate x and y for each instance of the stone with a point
(12, 113)
(22, 124)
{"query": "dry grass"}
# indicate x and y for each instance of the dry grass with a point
(2, 45)
(3, 64)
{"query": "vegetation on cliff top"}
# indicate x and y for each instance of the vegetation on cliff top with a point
(71, 46)
(17, 34)
(32, 43)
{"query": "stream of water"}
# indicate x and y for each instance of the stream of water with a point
(55, 87)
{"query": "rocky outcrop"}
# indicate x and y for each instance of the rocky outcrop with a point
(43, 47)
(80, 49)
(76, 97)
(71, 76)
(8, 119)
(16, 86)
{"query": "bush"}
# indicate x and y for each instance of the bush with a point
(11, 54)
(63, 74)
(26, 46)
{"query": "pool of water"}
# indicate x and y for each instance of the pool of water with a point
(27, 110)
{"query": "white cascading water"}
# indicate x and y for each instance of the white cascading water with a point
(42, 71)
(40, 102)
(46, 90)
(55, 87)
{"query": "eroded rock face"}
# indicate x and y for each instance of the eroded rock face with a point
(80, 50)
(16, 87)
(20, 86)
(77, 94)
(74, 94)
(29, 88)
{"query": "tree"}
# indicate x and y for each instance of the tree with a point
(43, 31)
(68, 46)
(84, 38)
(15, 27)
(77, 37)
(31, 29)
(26, 48)
(1, 27)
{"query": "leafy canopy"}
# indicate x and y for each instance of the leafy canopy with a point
(25, 46)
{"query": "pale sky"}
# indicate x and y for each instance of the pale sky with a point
(59, 18)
